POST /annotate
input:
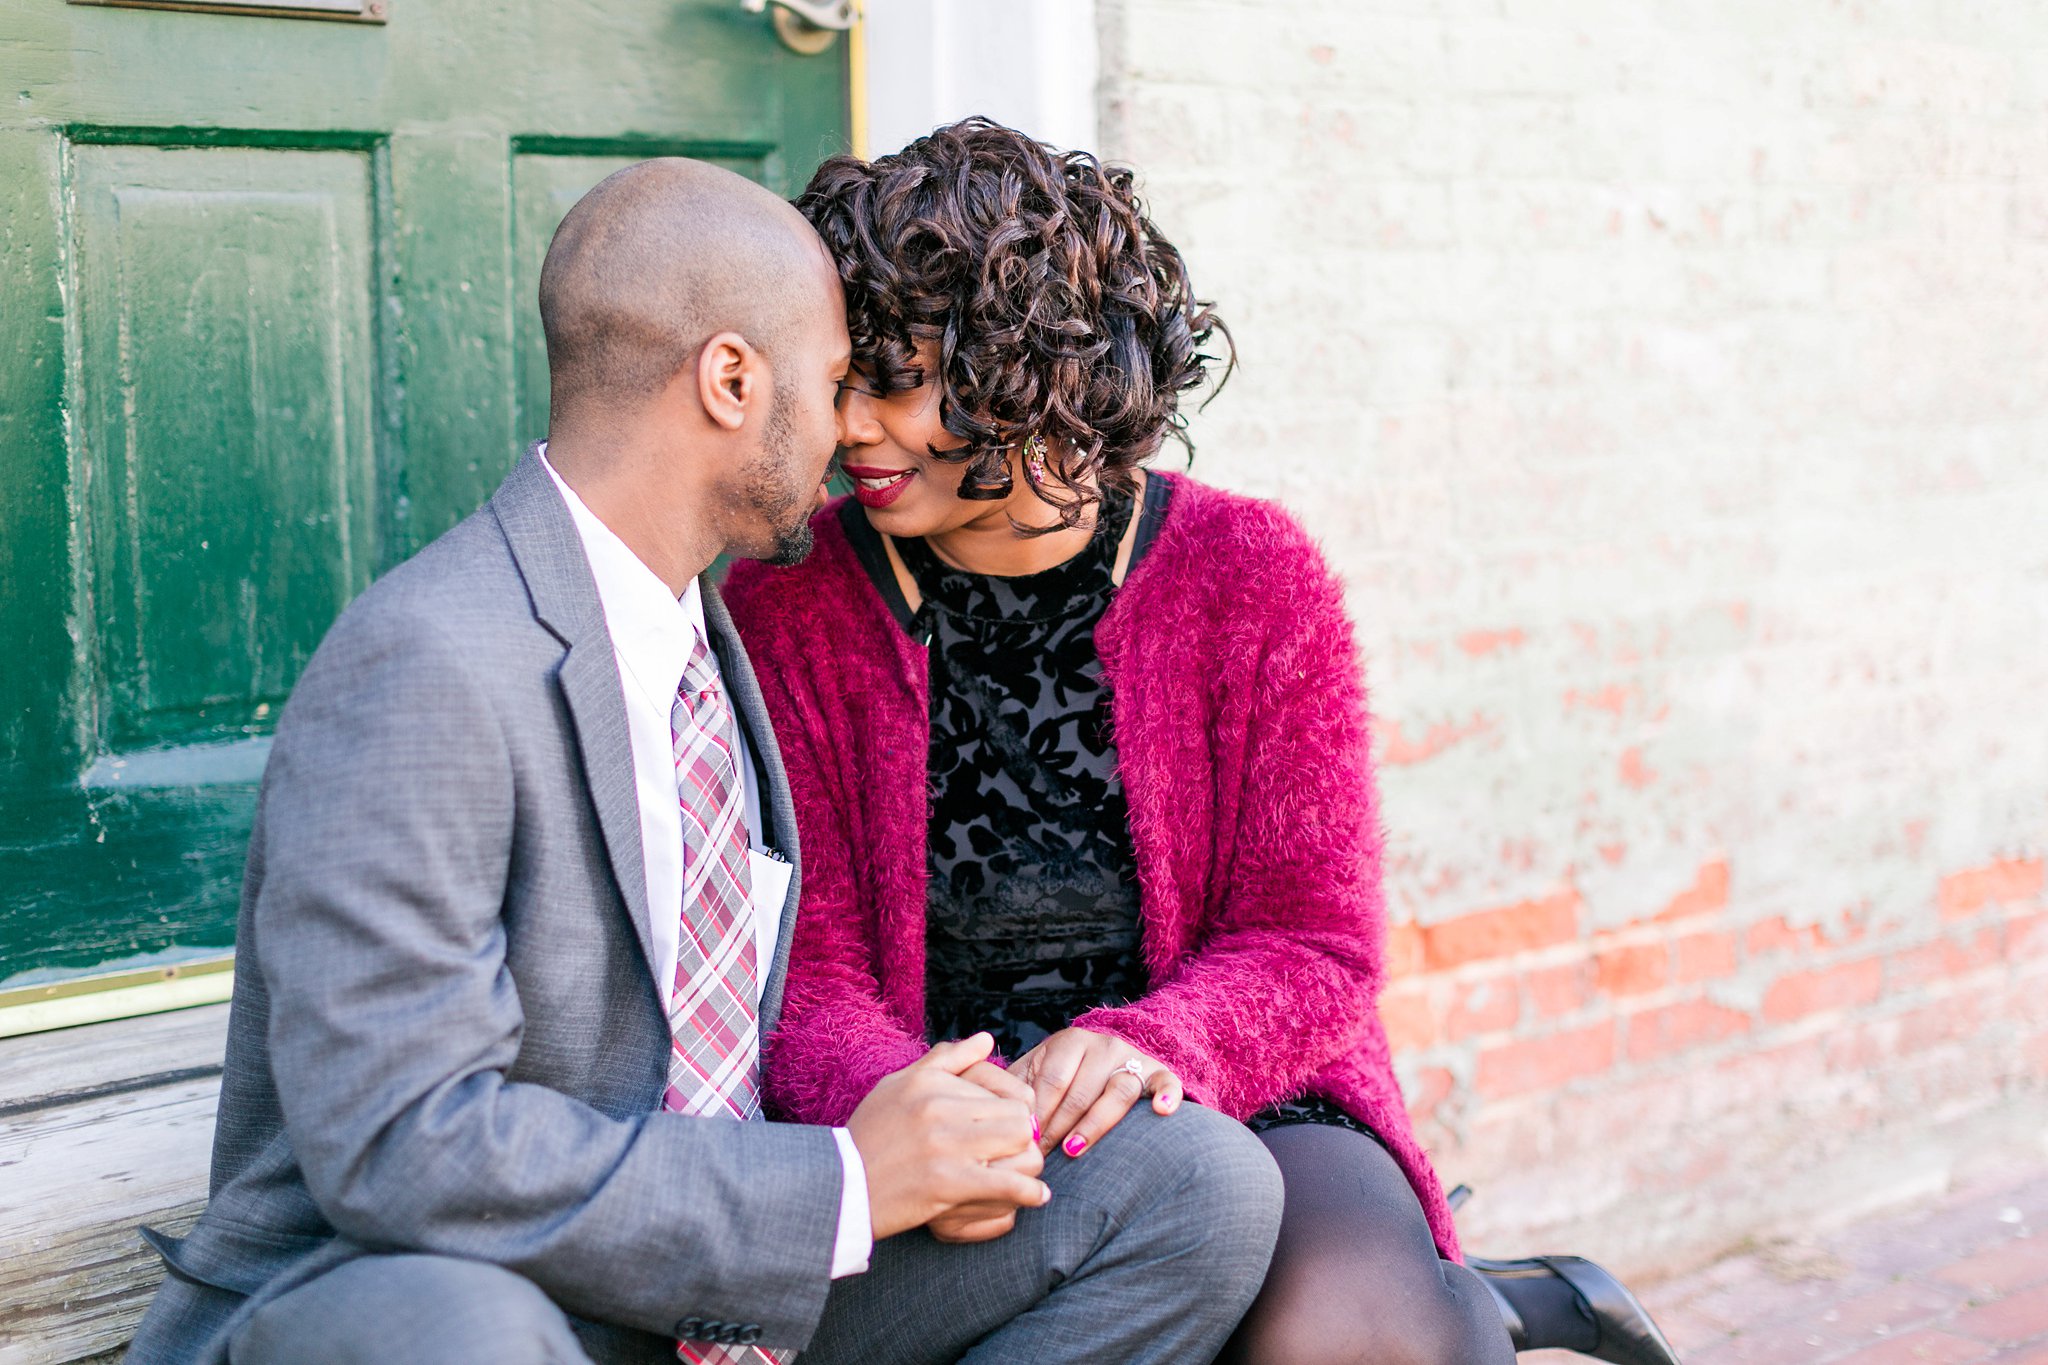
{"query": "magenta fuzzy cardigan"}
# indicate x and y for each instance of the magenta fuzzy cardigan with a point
(1238, 707)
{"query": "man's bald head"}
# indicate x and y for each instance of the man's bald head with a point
(658, 258)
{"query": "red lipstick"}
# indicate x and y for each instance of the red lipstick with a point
(877, 487)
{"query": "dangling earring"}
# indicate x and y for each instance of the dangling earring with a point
(1034, 458)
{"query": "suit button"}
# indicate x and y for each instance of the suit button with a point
(749, 1334)
(689, 1329)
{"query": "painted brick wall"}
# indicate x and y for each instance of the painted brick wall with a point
(1670, 383)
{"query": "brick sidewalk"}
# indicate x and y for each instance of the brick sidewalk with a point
(1963, 1279)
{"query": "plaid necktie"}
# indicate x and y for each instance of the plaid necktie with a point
(714, 1064)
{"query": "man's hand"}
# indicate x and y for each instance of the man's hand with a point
(935, 1143)
(984, 1222)
(1082, 1084)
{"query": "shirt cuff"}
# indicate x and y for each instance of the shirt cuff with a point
(856, 1239)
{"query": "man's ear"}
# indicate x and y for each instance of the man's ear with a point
(729, 370)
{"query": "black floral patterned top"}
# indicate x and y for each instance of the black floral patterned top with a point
(1031, 909)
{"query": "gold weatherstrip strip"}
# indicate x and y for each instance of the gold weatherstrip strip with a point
(115, 995)
(857, 81)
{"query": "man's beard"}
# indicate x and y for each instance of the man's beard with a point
(767, 488)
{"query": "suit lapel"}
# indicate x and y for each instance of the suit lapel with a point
(778, 809)
(590, 685)
(550, 556)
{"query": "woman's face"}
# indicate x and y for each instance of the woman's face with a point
(887, 454)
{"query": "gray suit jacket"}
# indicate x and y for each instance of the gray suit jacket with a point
(445, 1035)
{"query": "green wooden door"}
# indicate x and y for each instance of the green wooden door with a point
(266, 328)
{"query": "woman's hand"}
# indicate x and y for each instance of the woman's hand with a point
(1082, 1084)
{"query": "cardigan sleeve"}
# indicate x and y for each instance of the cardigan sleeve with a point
(836, 1038)
(1285, 976)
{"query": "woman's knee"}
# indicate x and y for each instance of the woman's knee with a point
(1358, 1327)
(1356, 1277)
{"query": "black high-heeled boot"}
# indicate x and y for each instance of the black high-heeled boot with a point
(1624, 1332)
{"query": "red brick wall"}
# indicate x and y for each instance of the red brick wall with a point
(1670, 384)
(1603, 1070)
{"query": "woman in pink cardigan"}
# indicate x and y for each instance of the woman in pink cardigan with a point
(1079, 751)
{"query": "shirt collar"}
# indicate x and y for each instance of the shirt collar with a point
(652, 630)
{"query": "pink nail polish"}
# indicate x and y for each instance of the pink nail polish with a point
(1074, 1145)
(1036, 1133)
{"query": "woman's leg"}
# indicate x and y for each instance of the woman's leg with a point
(1356, 1279)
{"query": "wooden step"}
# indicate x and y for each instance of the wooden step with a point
(102, 1128)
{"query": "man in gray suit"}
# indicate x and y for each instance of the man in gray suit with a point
(519, 904)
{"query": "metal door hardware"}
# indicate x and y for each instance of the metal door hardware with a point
(808, 27)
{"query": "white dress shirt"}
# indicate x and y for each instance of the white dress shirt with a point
(652, 634)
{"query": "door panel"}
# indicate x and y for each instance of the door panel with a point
(115, 874)
(227, 387)
(267, 326)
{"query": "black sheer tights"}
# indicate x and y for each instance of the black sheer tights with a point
(1356, 1279)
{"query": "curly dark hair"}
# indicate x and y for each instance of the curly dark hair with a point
(1059, 310)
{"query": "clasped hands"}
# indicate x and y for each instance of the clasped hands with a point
(956, 1143)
